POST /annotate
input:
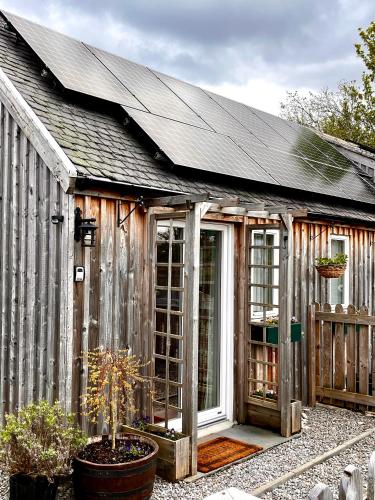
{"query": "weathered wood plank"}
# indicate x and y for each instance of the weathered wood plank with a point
(339, 343)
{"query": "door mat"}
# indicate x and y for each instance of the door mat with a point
(223, 451)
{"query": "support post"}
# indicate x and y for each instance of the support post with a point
(285, 313)
(191, 331)
(311, 356)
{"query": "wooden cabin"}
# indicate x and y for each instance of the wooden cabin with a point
(138, 210)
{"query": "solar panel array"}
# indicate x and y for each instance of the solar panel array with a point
(198, 129)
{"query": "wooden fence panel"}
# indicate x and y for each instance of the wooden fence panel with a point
(340, 356)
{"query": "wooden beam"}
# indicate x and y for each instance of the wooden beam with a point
(350, 397)
(191, 331)
(181, 199)
(41, 139)
(285, 313)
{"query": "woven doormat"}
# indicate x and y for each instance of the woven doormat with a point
(223, 451)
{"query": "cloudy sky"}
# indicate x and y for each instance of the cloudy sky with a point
(250, 50)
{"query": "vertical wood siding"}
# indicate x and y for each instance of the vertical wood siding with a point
(311, 240)
(110, 306)
(36, 265)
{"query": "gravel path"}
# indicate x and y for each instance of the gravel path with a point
(324, 428)
(328, 472)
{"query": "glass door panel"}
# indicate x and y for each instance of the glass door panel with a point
(209, 320)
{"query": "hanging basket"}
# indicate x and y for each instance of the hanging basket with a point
(331, 270)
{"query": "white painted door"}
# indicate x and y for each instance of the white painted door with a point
(215, 361)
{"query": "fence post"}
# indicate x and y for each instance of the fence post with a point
(351, 484)
(311, 346)
(320, 492)
(371, 478)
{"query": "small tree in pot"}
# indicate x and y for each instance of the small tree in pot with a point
(122, 464)
(36, 449)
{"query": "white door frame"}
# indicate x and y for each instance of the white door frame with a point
(225, 411)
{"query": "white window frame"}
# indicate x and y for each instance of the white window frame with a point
(345, 238)
(275, 291)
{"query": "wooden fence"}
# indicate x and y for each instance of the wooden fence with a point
(340, 352)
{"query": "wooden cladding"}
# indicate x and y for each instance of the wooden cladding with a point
(36, 271)
(110, 304)
(341, 359)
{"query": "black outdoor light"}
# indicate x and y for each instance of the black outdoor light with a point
(84, 229)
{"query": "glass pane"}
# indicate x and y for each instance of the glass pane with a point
(160, 345)
(163, 233)
(162, 275)
(176, 324)
(177, 301)
(263, 276)
(178, 233)
(162, 252)
(209, 320)
(177, 252)
(175, 372)
(337, 284)
(160, 368)
(161, 322)
(161, 299)
(175, 350)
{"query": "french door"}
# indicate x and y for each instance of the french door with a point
(215, 353)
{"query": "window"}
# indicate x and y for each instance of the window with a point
(339, 287)
(266, 255)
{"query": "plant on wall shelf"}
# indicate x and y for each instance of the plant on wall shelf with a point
(331, 267)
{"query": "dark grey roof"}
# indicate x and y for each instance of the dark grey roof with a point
(92, 134)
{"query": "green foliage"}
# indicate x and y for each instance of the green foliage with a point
(349, 111)
(340, 259)
(40, 441)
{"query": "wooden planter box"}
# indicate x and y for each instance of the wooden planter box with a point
(173, 456)
(266, 414)
(272, 332)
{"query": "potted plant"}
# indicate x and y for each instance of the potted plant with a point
(114, 465)
(174, 448)
(36, 449)
(332, 267)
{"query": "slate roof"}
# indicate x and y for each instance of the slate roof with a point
(92, 134)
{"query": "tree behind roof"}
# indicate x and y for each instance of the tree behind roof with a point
(347, 112)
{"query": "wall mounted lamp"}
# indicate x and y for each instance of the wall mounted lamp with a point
(84, 229)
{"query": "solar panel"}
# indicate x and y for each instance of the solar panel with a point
(149, 89)
(198, 148)
(72, 63)
(196, 128)
(218, 118)
(292, 171)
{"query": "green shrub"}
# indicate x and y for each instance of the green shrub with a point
(339, 259)
(39, 441)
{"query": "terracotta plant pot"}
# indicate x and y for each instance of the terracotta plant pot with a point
(331, 270)
(23, 487)
(130, 480)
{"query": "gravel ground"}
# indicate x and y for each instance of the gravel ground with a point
(323, 429)
(329, 472)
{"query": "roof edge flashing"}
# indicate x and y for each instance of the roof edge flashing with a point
(46, 146)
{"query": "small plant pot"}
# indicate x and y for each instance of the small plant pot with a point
(331, 270)
(131, 480)
(23, 487)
